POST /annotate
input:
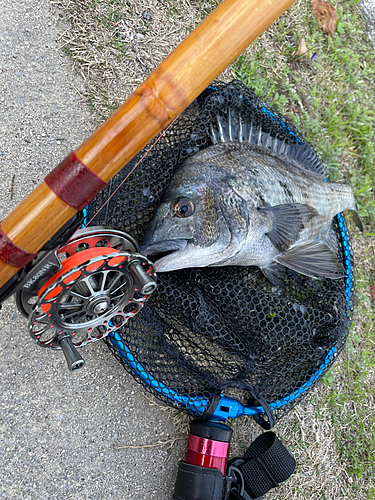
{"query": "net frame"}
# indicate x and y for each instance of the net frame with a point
(138, 344)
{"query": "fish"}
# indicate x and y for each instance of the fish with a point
(248, 200)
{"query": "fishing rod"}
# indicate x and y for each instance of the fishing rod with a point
(169, 89)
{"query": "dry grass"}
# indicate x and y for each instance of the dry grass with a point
(309, 437)
(114, 45)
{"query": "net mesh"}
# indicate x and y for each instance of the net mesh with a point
(205, 329)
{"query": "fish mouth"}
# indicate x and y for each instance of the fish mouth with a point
(162, 250)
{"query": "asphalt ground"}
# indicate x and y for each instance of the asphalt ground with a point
(59, 431)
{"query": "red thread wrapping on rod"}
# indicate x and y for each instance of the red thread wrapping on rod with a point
(74, 183)
(13, 255)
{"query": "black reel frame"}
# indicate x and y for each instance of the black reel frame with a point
(42, 267)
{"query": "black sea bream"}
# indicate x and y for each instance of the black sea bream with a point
(240, 204)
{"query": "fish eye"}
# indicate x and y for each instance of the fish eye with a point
(183, 207)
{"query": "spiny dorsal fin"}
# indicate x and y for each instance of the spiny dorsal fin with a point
(234, 129)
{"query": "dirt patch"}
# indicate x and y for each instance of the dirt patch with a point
(116, 45)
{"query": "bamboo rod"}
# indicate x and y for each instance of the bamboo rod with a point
(177, 81)
(170, 88)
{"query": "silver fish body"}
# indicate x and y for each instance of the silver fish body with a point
(240, 204)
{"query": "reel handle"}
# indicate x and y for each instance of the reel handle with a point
(146, 284)
(74, 360)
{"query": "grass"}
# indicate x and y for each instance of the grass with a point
(352, 390)
(331, 100)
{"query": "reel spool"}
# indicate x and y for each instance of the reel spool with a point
(103, 281)
(83, 239)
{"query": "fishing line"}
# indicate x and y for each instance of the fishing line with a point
(110, 189)
(131, 171)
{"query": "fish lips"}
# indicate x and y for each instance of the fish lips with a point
(161, 247)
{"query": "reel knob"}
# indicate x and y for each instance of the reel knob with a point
(74, 360)
(146, 284)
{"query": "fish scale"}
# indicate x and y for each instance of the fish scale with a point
(278, 182)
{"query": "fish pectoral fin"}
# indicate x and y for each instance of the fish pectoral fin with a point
(312, 259)
(287, 223)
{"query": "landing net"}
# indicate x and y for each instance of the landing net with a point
(206, 329)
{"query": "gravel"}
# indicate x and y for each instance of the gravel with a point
(59, 431)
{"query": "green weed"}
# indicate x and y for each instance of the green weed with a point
(330, 97)
(67, 51)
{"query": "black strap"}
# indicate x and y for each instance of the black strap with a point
(198, 483)
(265, 465)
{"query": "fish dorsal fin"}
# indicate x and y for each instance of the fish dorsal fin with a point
(287, 223)
(235, 129)
(313, 259)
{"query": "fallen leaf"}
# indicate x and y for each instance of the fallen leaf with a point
(326, 16)
(372, 291)
(301, 51)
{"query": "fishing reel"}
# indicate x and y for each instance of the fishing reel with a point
(84, 290)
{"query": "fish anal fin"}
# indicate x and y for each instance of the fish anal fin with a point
(287, 221)
(275, 273)
(312, 259)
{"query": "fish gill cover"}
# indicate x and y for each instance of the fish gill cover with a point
(211, 328)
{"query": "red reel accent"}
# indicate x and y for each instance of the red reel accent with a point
(208, 445)
(70, 263)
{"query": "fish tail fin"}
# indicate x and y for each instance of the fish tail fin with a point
(345, 201)
(353, 209)
(357, 219)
